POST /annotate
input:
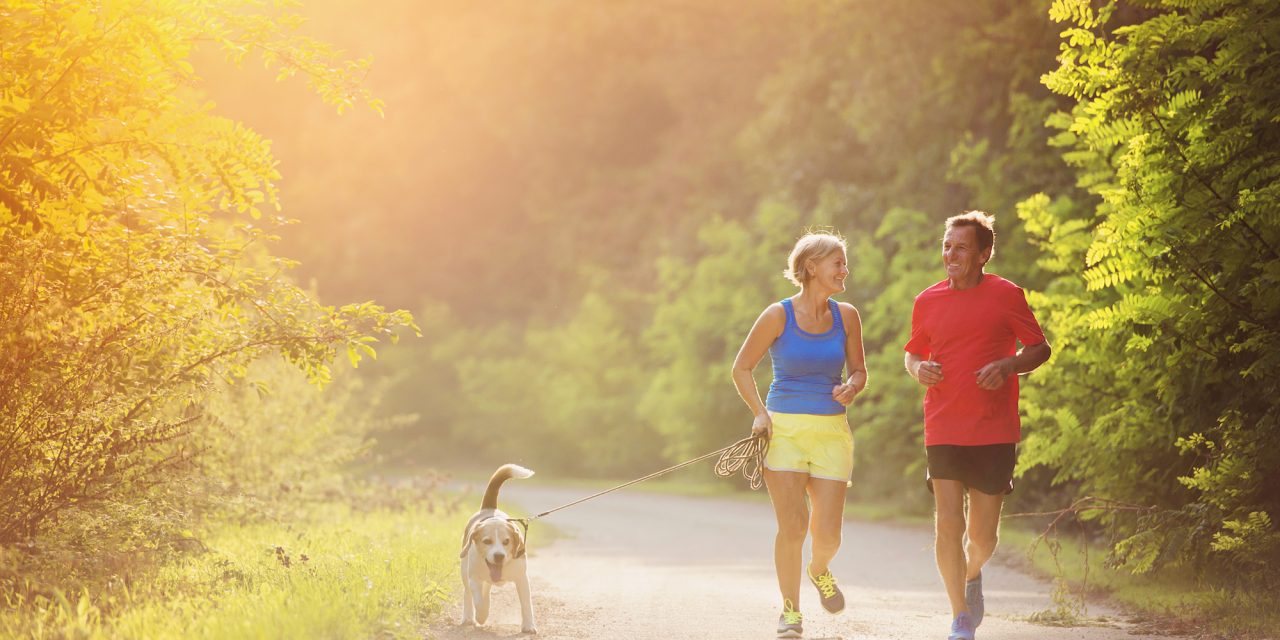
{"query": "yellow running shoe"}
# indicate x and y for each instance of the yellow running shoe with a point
(789, 623)
(832, 599)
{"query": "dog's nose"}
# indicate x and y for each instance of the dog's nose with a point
(499, 557)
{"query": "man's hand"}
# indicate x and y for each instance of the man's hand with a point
(844, 393)
(928, 373)
(992, 376)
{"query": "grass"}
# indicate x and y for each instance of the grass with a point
(334, 574)
(1169, 601)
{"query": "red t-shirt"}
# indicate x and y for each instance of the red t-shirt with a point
(965, 331)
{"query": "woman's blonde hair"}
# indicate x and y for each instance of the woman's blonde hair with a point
(815, 246)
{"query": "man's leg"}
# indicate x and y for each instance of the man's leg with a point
(948, 545)
(786, 491)
(984, 530)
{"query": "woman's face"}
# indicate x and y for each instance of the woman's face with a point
(829, 273)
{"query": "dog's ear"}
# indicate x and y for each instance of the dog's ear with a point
(518, 534)
(470, 540)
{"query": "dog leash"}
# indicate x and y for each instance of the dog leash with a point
(745, 455)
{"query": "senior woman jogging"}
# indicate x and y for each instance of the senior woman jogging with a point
(810, 338)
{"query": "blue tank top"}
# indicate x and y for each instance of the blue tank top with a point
(806, 366)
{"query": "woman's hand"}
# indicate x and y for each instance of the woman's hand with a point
(844, 393)
(762, 426)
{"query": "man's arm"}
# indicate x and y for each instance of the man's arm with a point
(926, 372)
(992, 376)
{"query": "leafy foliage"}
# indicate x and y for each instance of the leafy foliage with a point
(132, 226)
(851, 133)
(559, 397)
(702, 312)
(1165, 379)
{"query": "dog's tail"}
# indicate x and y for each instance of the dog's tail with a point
(504, 473)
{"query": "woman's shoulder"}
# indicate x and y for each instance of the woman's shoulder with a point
(847, 309)
(773, 320)
(775, 311)
(849, 317)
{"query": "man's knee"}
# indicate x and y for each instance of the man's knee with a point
(949, 526)
(984, 522)
(984, 538)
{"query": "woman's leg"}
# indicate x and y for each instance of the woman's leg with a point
(786, 491)
(827, 500)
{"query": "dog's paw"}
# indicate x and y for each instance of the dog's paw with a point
(533, 631)
(468, 623)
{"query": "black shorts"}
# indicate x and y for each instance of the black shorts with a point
(987, 468)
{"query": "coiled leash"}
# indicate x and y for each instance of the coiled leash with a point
(746, 456)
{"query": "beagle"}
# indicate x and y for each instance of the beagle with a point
(493, 553)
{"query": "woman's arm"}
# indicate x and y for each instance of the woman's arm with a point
(766, 329)
(855, 357)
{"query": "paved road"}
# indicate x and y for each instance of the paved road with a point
(644, 566)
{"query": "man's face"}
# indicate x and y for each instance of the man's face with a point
(960, 254)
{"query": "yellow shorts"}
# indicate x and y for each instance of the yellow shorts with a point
(820, 446)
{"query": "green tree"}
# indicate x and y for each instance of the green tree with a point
(274, 435)
(890, 269)
(702, 313)
(559, 396)
(1165, 312)
(884, 120)
(132, 229)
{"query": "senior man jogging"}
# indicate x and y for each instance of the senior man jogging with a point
(964, 335)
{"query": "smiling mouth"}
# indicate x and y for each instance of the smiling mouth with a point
(495, 571)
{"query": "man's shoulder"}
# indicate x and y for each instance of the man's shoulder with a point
(997, 282)
(933, 291)
(1002, 289)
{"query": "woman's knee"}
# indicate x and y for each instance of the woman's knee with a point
(792, 525)
(828, 540)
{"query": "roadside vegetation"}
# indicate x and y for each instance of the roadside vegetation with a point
(174, 433)
(587, 204)
(328, 571)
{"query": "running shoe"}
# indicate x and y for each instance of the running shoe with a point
(961, 628)
(789, 623)
(973, 599)
(832, 599)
